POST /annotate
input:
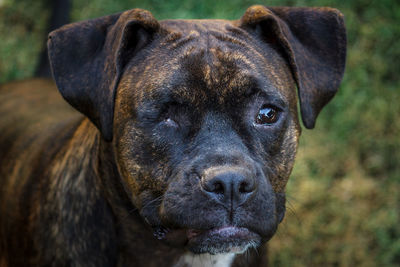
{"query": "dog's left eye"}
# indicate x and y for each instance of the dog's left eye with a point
(267, 115)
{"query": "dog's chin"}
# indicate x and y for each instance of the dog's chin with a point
(228, 239)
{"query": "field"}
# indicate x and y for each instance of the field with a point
(344, 194)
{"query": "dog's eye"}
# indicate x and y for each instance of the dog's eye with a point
(267, 115)
(170, 122)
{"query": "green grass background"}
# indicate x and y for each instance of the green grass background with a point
(344, 193)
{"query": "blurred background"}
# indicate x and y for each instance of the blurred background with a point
(344, 193)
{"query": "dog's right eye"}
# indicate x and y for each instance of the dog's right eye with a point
(174, 115)
(170, 123)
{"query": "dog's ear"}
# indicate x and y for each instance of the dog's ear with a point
(314, 42)
(87, 59)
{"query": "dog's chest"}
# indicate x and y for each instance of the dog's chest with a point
(192, 260)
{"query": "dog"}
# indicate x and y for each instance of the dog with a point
(187, 139)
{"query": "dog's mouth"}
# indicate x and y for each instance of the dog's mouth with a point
(227, 239)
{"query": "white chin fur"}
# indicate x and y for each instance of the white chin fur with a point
(201, 260)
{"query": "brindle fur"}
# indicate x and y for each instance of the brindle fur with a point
(89, 190)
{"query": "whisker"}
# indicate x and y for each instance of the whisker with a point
(124, 218)
(292, 210)
(152, 201)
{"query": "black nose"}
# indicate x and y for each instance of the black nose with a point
(231, 188)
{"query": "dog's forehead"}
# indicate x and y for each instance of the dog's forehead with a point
(186, 27)
(202, 59)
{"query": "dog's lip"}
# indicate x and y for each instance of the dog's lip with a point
(232, 239)
(224, 239)
(225, 231)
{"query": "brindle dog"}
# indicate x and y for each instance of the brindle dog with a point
(188, 139)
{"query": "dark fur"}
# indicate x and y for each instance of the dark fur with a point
(76, 192)
(60, 10)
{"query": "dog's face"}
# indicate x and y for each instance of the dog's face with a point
(214, 130)
(203, 114)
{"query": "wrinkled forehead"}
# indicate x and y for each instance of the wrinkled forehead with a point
(202, 61)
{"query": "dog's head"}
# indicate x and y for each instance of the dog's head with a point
(202, 114)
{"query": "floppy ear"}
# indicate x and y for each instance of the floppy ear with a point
(314, 42)
(87, 59)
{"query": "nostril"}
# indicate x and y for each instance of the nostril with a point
(215, 187)
(243, 187)
(232, 187)
(246, 186)
(218, 188)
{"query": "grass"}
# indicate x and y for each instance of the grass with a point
(344, 193)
